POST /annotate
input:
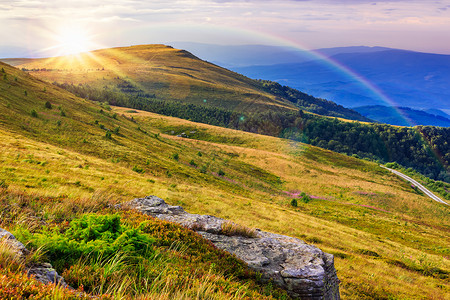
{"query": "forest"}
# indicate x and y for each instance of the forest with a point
(423, 148)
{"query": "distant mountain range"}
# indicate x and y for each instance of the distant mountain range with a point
(252, 55)
(409, 79)
(398, 78)
(404, 116)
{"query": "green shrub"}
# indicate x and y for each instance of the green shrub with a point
(34, 114)
(137, 169)
(192, 163)
(108, 135)
(48, 105)
(294, 202)
(90, 236)
(176, 156)
(221, 173)
(304, 197)
(393, 165)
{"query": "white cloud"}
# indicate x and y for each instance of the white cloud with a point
(317, 23)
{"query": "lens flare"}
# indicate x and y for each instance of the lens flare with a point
(73, 40)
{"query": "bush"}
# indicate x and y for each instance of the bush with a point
(192, 163)
(176, 156)
(108, 135)
(34, 114)
(294, 202)
(221, 173)
(393, 165)
(304, 197)
(48, 105)
(91, 236)
(138, 170)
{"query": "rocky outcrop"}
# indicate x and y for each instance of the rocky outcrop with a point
(43, 272)
(303, 270)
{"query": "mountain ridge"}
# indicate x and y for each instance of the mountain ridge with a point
(167, 74)
(403, 116)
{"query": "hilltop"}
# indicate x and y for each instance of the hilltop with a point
(74, 157)
(159, 72)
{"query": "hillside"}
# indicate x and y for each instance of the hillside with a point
(78, 157)
(158, 72)
(402, 116)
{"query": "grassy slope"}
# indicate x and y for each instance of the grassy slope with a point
(170, 73)
(388, 240)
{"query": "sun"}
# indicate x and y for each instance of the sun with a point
(73, 40)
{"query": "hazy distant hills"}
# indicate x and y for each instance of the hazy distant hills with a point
(251, 55)
(403, 116)
(410, 79)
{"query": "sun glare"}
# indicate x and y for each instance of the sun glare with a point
(73, 41)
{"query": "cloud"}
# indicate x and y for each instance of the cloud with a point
(331, 21)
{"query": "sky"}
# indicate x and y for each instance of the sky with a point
(44, 27)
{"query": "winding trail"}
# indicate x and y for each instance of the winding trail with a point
(418, 185)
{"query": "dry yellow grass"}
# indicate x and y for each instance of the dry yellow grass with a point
(357, 208)
(169, 73)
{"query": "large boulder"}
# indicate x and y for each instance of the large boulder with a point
(303, 270)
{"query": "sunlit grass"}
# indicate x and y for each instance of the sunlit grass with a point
(52, 173)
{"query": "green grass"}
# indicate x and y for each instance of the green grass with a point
(51, 174)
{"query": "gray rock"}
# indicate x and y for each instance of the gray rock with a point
(303, 270)
(11, 240)
(43, 272)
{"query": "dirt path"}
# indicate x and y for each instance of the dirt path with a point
(418, 185)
